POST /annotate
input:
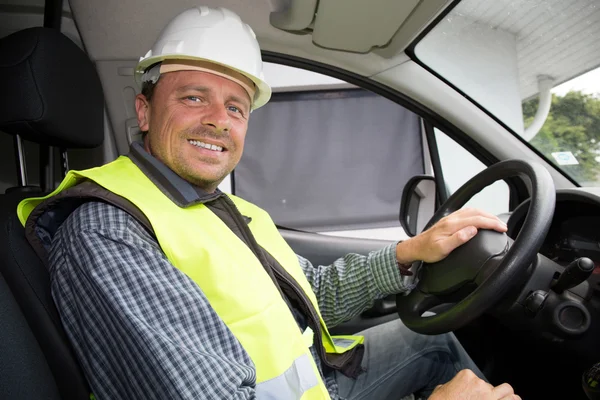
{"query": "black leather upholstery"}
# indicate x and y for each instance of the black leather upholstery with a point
(50, 92)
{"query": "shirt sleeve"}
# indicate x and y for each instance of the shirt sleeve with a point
(352, 283)
(140, 327)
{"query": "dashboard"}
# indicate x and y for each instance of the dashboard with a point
(574, 232)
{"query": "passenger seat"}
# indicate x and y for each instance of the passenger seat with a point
(51, 94)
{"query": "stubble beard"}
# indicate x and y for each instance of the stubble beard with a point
(184, 168)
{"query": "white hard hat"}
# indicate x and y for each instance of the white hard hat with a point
(214, 36)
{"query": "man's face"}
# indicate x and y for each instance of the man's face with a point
(189, 114)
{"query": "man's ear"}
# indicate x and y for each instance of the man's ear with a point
(142, 110)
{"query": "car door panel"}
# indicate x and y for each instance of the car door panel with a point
(323, 250)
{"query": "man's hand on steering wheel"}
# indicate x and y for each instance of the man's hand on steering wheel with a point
(467, 386)
(447, 234)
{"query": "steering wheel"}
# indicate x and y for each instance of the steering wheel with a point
(476, 275)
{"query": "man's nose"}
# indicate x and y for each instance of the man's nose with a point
(218, 118)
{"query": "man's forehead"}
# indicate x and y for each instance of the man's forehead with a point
(200, 81)
(211, 68)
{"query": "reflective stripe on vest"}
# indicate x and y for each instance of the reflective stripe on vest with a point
(194, 236)
(298, 379)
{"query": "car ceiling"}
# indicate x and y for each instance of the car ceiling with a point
(126, 29)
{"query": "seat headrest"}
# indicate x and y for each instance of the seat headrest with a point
(50, 92)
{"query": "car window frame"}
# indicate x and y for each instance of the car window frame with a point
(411, 53)
(517, 187)
(518, 191)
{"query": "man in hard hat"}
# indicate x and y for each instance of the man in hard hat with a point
(169, 288)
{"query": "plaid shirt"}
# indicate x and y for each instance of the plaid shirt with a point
(143, 329)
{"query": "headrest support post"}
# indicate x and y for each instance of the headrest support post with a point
(46, 167)
(20, 159)
(64, 157)
(52, 19)
(53, 14)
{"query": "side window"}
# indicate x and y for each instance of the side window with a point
(458, 166)
(330, 158)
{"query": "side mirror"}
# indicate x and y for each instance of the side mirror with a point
(418, 203)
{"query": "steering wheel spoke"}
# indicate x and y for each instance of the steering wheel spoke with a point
(415, 304)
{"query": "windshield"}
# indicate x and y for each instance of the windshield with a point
(534, 65)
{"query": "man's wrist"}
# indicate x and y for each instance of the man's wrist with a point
(404, 269)
(404, 256)
(405, 251)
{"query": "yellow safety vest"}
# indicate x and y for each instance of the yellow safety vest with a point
(200, 244)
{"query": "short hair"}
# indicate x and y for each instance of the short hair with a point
(148, 89)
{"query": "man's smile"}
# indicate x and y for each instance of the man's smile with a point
(207, 146)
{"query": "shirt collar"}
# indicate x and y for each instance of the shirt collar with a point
(180, 191)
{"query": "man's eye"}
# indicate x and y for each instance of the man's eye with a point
(234, 109)
(193, 98)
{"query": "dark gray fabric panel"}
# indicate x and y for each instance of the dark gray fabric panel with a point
(24, 373)
(29, 282)
(330, 160)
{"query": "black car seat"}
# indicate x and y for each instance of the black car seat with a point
(50, 94)
(24, 373)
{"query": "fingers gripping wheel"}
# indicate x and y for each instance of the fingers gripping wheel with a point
(479, 273)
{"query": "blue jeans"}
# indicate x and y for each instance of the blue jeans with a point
(399, 362)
